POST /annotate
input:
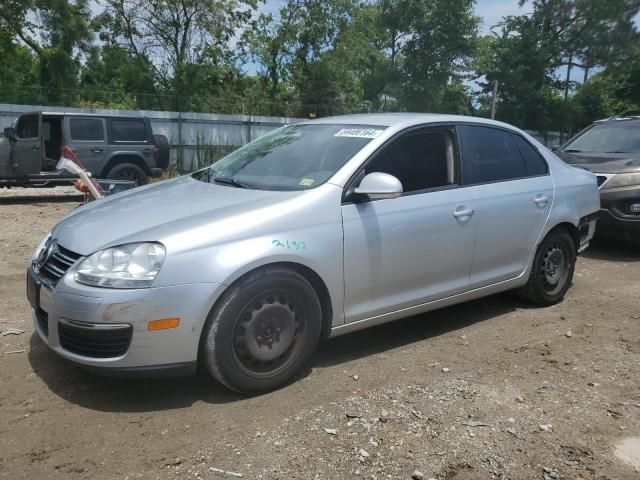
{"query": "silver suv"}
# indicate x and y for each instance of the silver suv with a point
(113, 147)
(314, 230)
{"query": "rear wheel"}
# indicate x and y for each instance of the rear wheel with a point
(128, 171)
(262, 332)
(552, 270)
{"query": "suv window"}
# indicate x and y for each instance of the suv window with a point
(27, 126)
(86, 129)
(128, 130)
(420, 160)
(613, 137)
(490, 155)
(533, 161)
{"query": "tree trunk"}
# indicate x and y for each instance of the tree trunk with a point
(566, 86)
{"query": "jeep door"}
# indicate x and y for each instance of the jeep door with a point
(27, 153)
(401, 252)
(86, 136)
(515, 193)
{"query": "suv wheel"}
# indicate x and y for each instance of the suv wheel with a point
(128, 171)
(552, 270)
(262, 332)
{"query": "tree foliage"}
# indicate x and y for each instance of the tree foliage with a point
(325, 57)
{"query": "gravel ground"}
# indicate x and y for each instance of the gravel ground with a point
(488, 389)
(37, 192)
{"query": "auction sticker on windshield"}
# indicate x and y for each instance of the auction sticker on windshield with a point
(358, 132)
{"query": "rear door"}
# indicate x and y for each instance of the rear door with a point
(28, 155)
(515, 193)
(87, 137)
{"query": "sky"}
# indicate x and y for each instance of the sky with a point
(490, 10)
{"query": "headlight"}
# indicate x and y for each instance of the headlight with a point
(44, 244)
(623, 180)
(127, 266)
(39, 255)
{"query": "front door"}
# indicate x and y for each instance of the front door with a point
(402, 252)
(27, 155)
(515, 193)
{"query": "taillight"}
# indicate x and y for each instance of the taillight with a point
(156, 153)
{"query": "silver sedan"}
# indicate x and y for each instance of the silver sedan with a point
(313, 230)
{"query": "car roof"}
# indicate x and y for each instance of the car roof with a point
(619, 121)
(100, 115)
(405, 119)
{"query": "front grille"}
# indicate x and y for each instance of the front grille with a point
(57, 265)
(601, 179)
(94, 340)
(42, 318)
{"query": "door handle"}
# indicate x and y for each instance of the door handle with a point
(96, 150)
(463, 212)
(35, 147)
(541, 200)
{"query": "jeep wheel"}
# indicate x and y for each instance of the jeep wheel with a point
(128, 171)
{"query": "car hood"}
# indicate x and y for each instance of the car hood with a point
(603, 162)
(154, 211)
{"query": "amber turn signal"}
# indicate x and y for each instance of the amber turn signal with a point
(164, 324)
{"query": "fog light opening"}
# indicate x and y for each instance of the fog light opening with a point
(163, 324)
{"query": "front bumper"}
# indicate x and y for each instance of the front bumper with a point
(615, 218)
(107, 329)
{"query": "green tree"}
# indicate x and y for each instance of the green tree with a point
(437, 52)
(57, 32)
(517, 57)
(186, 42)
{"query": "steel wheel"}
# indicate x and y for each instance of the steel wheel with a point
(266, 339)
(555, 268)
(262, 331)
(552, 269)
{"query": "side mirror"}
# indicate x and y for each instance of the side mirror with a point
(10, 133)
(379, 185)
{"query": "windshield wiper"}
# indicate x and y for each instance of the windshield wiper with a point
(233, 182)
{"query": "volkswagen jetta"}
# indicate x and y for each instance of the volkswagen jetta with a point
(314, 230)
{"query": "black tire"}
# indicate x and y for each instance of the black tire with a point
(164, 151)
(128, 171)
(262, 332)
(552, 271)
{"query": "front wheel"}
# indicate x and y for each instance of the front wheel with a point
(262, 332)
(552, 270)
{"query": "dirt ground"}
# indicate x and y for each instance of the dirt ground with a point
(488, 389)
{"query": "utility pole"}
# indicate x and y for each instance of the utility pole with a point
(493, 101)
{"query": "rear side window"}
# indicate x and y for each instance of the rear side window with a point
(27, 126)
(533, 161)
(86, 129)
(128, 130)
(490, 155)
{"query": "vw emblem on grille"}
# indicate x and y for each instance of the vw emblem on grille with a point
(43, 257)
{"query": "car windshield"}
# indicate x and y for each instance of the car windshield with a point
(615, 138)
(295, 157)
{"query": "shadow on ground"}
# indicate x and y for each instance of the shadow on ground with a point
(145, 395)
(613, 251)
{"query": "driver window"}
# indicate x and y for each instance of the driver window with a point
(27, 126)
(420, 160)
